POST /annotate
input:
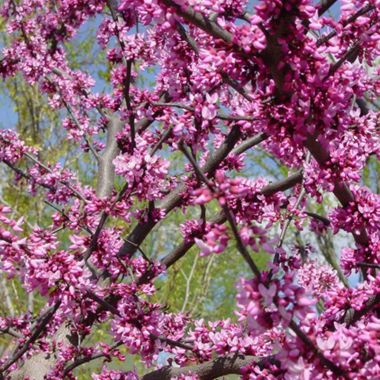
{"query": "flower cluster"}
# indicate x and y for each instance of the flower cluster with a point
(12, 148)
(267, 307)
(144, 173)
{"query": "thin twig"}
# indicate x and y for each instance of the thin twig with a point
(188, 283)
(310, 345)
(78, 362)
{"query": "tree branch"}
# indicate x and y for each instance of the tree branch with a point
(201, 21)
(352, 315)
(191, 109)
(325, 5)
(221, 366)
(341, 190)
(308, 343)
(351, 19)
(268, 190)
(106, 170)
(174, 199)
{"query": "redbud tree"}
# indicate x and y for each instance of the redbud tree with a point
(292, 76)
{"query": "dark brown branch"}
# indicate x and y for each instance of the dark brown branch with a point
(22, 173)
(76, 121)
(198, 171)
(351, 19)
(159, 143)
(249, 143)
(321, 218)
(310, 345)
(352, 316)
(222, 366)
(112, 5)
(43, 185)
(349, 55)
(236, 86)
(369, 265)
(341, 190)
(64, 183)
(11, 332)
(78, 362)
(126, 91)
(28, 177)
(181, 250)
(171, 342)
(325, 6)
(143, 124)
(105, 304)
(239, 243)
